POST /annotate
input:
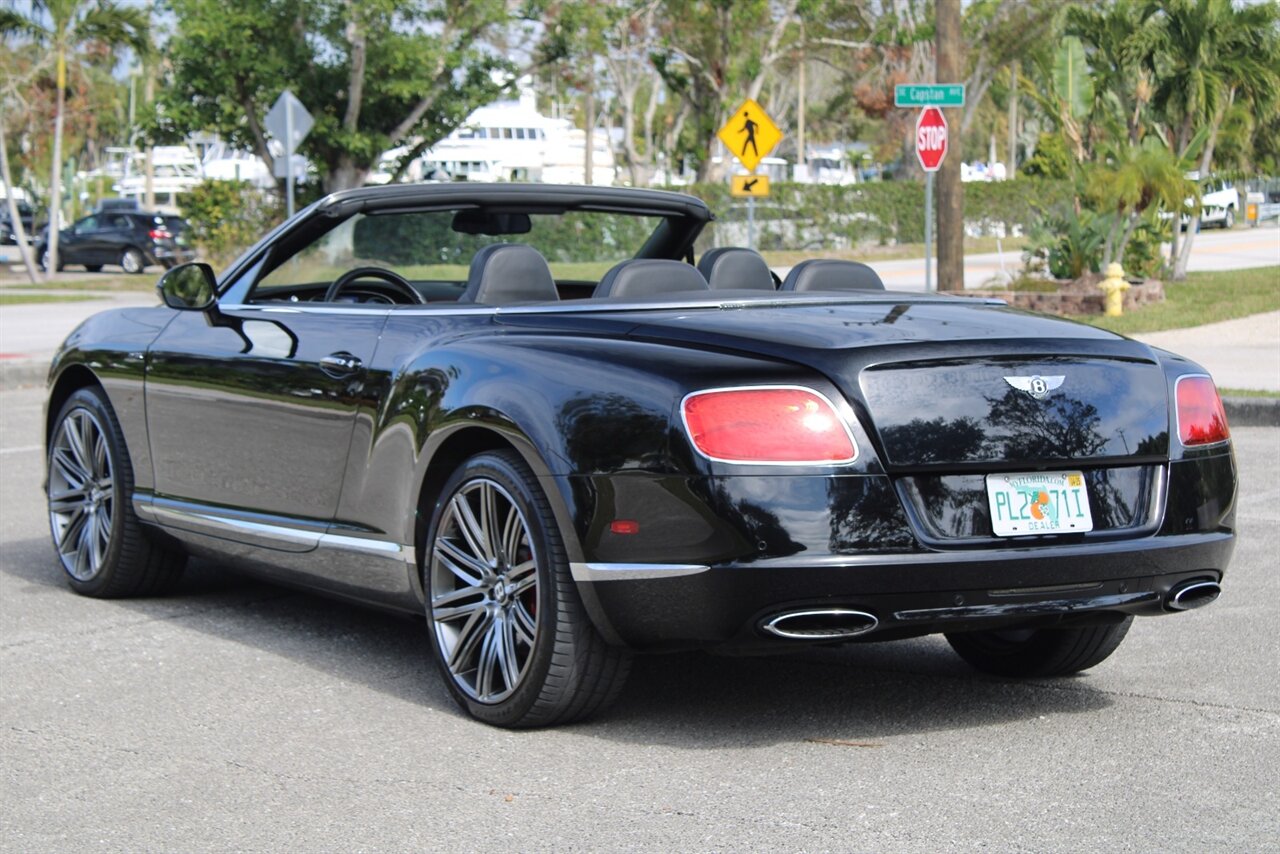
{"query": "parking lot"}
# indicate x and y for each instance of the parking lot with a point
(240, 716)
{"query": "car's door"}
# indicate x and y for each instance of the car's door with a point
(77, 244)
(250, 410)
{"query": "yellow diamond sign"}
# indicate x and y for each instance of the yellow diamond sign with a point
(750, 134)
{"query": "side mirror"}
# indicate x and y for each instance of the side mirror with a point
(188, 287)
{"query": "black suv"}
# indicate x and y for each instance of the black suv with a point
(132, 239)
(8, 234)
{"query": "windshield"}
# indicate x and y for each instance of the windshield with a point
(435, 247)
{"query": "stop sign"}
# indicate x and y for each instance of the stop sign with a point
(931, 138)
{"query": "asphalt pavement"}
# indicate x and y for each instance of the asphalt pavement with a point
(235, 715)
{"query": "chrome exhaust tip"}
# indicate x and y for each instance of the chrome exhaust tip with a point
(820, 625)
(1194, 594)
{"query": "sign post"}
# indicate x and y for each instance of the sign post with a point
(750, 135)
(289, 122)
(931, 149)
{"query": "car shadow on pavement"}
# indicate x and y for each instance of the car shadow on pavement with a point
(848, 696)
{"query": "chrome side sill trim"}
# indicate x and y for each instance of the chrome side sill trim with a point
(226, 526)
(633, 571)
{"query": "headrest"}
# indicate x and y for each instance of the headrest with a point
(503, 273)
(646, 276)
(822, 274)
(734, 267)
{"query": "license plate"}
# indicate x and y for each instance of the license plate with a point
(1030, 503)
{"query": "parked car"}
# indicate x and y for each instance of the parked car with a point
(9, 234)
(389, 400)
(133, 239)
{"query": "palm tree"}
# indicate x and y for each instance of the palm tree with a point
(65, 27)
(1132, 180)
(1204, 56)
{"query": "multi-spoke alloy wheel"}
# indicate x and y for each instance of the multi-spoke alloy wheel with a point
(484, 591)
(508, 629)
(81, 494)
(100, 542)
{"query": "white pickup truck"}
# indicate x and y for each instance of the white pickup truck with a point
(1219, 203)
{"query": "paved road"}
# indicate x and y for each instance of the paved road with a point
(236, 715)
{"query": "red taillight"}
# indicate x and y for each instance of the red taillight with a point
(159, 234)
(767, 425)
(1201, 418)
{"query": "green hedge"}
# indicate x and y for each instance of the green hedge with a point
(815, 216)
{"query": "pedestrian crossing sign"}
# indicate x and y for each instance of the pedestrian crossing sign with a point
(750, 134)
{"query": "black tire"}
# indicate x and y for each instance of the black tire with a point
(98, 539)
(1039, 652)
(132, 261)
(508, 629)
(93, 268)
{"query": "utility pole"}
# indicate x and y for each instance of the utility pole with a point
(949, 50)
(1011, 167)
(588, 157)
(801, 160)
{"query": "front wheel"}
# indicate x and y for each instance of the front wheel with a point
(132, 261)
(99, 540)
(508, 629)
(1039, 652)
(1229, 219)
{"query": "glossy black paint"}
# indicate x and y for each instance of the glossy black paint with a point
(308, 441)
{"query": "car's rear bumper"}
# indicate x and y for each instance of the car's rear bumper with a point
(658, 607)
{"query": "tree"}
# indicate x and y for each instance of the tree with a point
(1134, 179)
(68, 28)
(715, 53)
(1204, 56)
(375, 75)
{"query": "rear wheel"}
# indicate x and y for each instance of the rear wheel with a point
(508, 630)
(1039, 652)
(132, 261)
(99, 540)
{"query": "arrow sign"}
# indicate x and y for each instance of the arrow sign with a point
(931, 139)
(749, 186)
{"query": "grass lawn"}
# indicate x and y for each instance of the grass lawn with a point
(8, 297)
(93, 282)
(1202, 298)
(1248, 392)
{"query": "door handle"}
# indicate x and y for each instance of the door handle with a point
(341, 364)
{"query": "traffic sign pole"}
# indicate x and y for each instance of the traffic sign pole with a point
(288, 159)
(928, 231)
(751, 222)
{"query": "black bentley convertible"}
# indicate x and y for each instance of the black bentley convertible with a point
(527, 414)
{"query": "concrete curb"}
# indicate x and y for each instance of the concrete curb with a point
(20, 373)
(1252, 411)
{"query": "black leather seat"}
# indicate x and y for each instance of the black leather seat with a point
(641, 277)
(735, 267)
(504, 273)
(821, 274)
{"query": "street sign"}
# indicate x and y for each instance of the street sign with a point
(931, 138)
(289, 121)
(749, 186)
(750, 134)
(928, 95)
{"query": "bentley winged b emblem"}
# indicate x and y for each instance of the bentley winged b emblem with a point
(1038, 387)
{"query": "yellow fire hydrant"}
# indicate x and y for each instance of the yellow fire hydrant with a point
(1113, 288)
